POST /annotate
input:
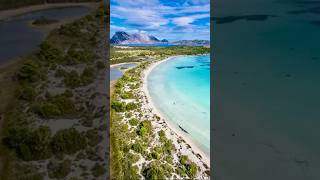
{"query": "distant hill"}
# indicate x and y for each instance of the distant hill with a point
(122, 37)
(193, 43)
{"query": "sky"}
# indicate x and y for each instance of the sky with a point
(165, 19)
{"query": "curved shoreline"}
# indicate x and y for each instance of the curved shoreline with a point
(11, 13)
(171, 126)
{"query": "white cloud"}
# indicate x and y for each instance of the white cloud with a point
(186, 20)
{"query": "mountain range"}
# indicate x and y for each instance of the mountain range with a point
(122, 37)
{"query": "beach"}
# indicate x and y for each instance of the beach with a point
(187, 147)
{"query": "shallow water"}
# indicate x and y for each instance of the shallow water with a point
(266, 91)
(180, 90)
(18, 38)
(116, 73)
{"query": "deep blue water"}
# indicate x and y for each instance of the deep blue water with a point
(180, 90)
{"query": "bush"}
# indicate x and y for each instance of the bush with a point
(184, 159)
(137, 147)
(100, 65)
(30, 72)
(50, 54)
(133, 121)
(47, 110)
(59, 170)
(30, 144)
(162, 136)
(55, 107)
(127, 95)
(27, 93)
(72, 79)
(68, 141)
(131, 106)
(155, 155)
(98, 170)
(60, 73)
(145, 128)
(192, 169)
(87, 76)
(118, 106)
(93, 137)
(154, 171)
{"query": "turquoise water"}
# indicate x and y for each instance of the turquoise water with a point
(180, 90)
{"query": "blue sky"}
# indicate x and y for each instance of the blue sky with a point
(165, 19)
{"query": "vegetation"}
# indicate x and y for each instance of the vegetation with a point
(139, 54)
(68, 141)
(25, 144)
(44, 21)
(127, 145)
(59, 170)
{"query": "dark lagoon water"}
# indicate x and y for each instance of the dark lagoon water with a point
(116, 73)
(266, 115)
(18, 38)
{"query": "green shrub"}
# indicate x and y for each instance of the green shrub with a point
(184, 159)
(145, 128)
(154, 171)
(98, 170)
(59, 170)
(133, 121)
(26, 92)
(68, 93)
(192, 169)
(118, 106)
(60, 73)
(137, 147)
(87, 76)
(155, 155)
(47, 110)
(68, 141)
(50, 54)
(127, 95)
(93, 137)
(100, 65)
(72, 79)
(30, 72)
(29, 144)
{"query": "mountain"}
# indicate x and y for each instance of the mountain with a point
(193, 43)
(122, 37)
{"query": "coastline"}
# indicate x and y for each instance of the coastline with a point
(7, 14)
(177, 133)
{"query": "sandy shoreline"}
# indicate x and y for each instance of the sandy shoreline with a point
(7, 14)
(179, 133)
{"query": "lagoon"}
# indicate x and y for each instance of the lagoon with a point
(19, 38)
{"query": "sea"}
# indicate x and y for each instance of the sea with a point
(180, 90)
(266, 107)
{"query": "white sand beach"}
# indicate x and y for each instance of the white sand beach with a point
(184, 144)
